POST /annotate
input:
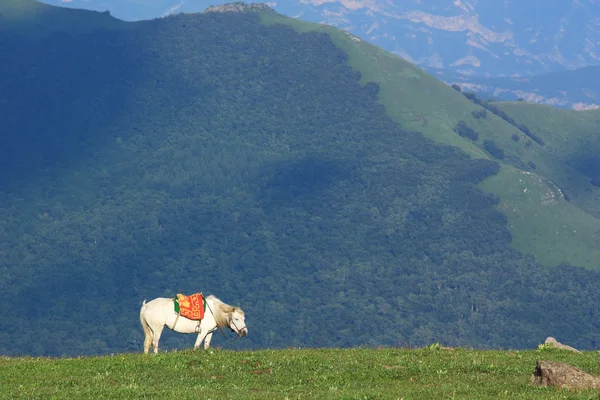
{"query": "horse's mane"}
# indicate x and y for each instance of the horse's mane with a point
(221, 310)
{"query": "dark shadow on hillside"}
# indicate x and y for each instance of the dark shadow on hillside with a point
(72, 89)
(309, 176)
(587, 164)
(66, 78)
(586, 161)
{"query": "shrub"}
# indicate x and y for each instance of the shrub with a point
(479, 113)
(491, 147)
(504, 116)
(465, 131)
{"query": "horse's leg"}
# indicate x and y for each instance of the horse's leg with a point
(147, 342)
(207, 341)
(199, 339)
(147, 334)
(157, 332)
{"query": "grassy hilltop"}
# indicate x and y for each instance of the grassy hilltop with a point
(288, 168)
(427, 373)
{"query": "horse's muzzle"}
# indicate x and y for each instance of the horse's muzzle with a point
(243, 332)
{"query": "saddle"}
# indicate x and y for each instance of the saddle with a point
(191, 307)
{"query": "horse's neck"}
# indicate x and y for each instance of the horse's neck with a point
(215, 308)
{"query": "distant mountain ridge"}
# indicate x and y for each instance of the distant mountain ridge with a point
(461, 41)
(578, 89)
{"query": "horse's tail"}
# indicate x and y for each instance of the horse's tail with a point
(146, 328)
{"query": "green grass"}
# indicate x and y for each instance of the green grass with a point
(569, 135)
(418, 101)
(554, 230)
(562, 129)
(542, 222)
(428, 373)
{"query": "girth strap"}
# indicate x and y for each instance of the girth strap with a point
(177, 319)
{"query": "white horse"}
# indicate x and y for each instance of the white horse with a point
(160, 312)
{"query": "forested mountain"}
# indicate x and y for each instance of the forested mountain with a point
(244, 154)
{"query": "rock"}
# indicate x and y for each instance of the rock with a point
(238, 6)
(552, 373)
(558, 345)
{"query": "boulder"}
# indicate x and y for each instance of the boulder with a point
(552, 373)
(558, 345)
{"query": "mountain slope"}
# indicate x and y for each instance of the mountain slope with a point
(227, 153)
(572, 145)
(418, 102)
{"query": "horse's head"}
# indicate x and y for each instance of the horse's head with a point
(237, 322)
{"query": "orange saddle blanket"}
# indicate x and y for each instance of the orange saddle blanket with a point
(191, 307)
